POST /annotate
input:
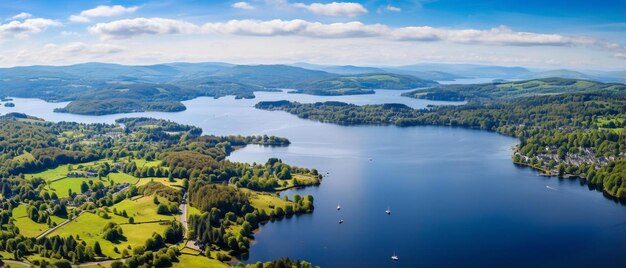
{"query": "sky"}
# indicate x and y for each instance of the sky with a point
(542, 34)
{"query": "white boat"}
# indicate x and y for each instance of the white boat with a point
(394, 257)
(340, 221)
(388, 211)
(338, 206)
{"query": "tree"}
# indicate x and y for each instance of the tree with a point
(561, 170)
(97, 249)
(131, 220)
(62, 264)
(246, 229)
(162, 209)
(84, 187)
(117, 264)
(155, 200)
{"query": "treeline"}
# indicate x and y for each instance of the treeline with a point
(266, 177)
(281, 263)
(223, 198)
(142, 123)
(159, 189)
(117, 106)
(54, 247)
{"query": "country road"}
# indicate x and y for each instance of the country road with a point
(183, 214)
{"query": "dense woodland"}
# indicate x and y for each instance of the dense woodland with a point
(567, 128)
(193, 166)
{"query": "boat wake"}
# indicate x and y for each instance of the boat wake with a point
(552, 188)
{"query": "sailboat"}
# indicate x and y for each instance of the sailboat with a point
(394, 257)
(388, 211)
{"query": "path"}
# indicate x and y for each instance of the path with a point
(183, 215)
(58, 226)
(16, 263)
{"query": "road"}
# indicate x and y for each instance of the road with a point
(183, 214)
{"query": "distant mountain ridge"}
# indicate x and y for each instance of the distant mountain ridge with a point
(101, 88)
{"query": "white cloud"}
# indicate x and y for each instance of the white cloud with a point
(21, 16)
(619, 55)
(334, 9)
(243, 5)
(498, 36)
(68, 33)
(393, 8)
(142, 26)
(102, 11)
(20, 29)
(67, 53)
(495, 36)
(77, 48)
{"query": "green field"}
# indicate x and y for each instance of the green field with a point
(50, 174)
(89, 227)
(144, 163)
(28, 227)
(303, 180)
(62, 170)
(265, 201)
(123, 177)
(25, 157)
(186, 260)
(177, 184)
(603, 122)
(143, 209)
(61, 187)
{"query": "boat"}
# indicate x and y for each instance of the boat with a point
(394, 257)
(338, 206)
(388, 211)
(340, 221)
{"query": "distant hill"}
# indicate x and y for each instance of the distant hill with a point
(340, 69)
(470, 70)
(535, 87)
(362, 84)
(351, 69)
(103, 88)
(563, 73)
(162, 86)
(274, 76)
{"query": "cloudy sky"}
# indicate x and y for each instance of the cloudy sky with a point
(575, 34)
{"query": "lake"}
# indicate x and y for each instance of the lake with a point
(456, 198)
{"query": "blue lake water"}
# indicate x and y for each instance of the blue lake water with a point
(456, 198)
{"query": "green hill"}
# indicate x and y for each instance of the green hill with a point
(546, 86)
(362, 84)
